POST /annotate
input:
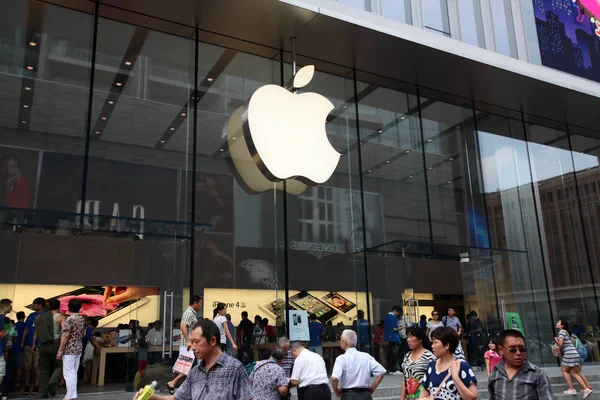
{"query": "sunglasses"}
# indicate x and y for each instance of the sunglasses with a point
(513, 350)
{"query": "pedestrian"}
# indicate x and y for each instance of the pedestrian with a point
(31, 358)
(245, 330)
(71, 347)
(570, 361)
(5, 309)
(515, 378)
(456, 381)
(402, 324)
(188, 322)
(309, 374)
(48, 328)
(434, 323)
(415, 363)
(492, 357)
(392, 336)
(219, 318)
(423, 322)
(18, 349)
(288, 359)
(216, 376)
(353, 369)
(452, 321)
(231, 328)
(316, 330)
(377, 340)
(259, 335)
(361, 327)
(268, 379)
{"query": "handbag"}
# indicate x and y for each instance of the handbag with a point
(439, 388)
(556, 351)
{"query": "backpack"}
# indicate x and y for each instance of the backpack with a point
(583, 353)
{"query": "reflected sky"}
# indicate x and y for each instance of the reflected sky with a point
(505, 162)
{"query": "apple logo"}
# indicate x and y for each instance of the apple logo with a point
(280, 136)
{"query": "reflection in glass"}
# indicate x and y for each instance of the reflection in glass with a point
(504, 29)
(361, 4)
(471, 22)
(435, 16)
(398, 10)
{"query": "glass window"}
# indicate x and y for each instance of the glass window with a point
(361, 4)
(471, 22)
(399, 10)
(435, 16)
(504, 29)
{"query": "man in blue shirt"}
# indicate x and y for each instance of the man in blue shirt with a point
(361, 327)
(32, 357)
(391, 334)
(315, 328)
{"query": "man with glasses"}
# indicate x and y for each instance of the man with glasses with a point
(515, 378)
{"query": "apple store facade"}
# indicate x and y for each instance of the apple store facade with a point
(457, 185)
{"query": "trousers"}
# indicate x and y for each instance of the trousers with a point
(392, 356)
(314, 392)
(50, 367)
(70, 368)
(357, 396)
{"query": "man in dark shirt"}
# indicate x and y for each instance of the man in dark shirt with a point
(46, 328)
(217, 376)
(245, 330)
(515, 378)
(361, 327)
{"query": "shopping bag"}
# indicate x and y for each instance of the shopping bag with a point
(184, 361)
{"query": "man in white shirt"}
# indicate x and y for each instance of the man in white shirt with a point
(309, 374)
(155, 335)
(353, 370)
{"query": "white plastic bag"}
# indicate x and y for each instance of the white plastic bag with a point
(184, 361)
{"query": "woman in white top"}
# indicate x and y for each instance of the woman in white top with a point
(221, 321)
(434, 323)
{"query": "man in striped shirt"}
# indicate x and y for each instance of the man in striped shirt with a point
(188, 323)
(288, 360)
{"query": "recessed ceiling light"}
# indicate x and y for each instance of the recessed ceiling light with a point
(29, 67)
(23, 122)
(103, 118)
(370, 171)
(111, 102)
(387, 161)
(183, 114)
(171, 128)
(162, 141)
(210, 79)
(361, 143)
(25, 106)
(97, 132)
(449, 181)
(407, 151)
(429, 140)
(379, 130)
(451, 158)
(127, 62)
(119, 84)
(411, 177)
(234, 138)
(345, 106)
(430, 167)
(221, 150)
(27, 88)
(32, 44)
(402, 118)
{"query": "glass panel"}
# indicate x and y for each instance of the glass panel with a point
(398, 10)
(44, 70)
(561, 224)
(471, 22)
(504, 29)
(361, 4)
(435, 16)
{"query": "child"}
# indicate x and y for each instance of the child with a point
(492, 358)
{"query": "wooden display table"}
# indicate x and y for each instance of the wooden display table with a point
(99, 361)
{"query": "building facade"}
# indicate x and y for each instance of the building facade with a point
(468, 175)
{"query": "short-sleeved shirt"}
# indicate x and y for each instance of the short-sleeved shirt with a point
(355, 368)
(189, 318)
(309, 369)
(75, 325)
(20, 328)
(389, 324)
(232, 332)
(494, 358)
(417, 369)
(528, 383)
(288, 363)
(226, 380)
(247, 328)
(88, 335)
(266, 378)
(361, 327)
(316, 330)
(219, 321)
(30, 324)
(453, 323)
(448, 391)
(433, 326)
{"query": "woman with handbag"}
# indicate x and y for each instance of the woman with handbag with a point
(448, 378)
(570, 364)
(415, 363)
